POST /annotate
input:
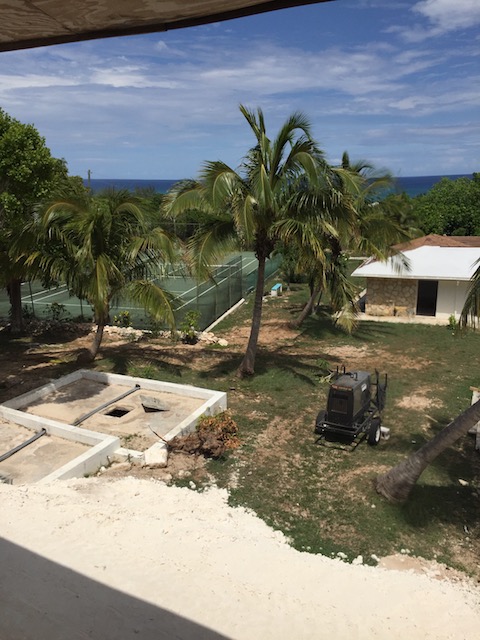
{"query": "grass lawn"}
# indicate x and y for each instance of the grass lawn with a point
(322, 497)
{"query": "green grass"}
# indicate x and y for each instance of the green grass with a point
(323, 498)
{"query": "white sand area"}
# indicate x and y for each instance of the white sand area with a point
(129, 558)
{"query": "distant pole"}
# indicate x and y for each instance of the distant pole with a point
(89, 175)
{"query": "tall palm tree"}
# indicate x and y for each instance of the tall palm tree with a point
(102, 247)
(260, 205)
(363, 225)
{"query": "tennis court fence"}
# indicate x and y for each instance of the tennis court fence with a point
(230, 282)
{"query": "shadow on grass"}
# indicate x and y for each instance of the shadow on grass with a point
(445, 504)
(306, 369)
(145, 362)
(30, 376)
(321, 327)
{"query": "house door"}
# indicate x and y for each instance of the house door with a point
(427, 297)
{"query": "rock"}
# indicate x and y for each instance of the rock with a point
(358, 560)
(150, 403)
(209, 338)
(156, 456)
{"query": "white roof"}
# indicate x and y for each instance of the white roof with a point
(425, 263)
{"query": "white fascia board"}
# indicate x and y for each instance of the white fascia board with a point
(426, 263)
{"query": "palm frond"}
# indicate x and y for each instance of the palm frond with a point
(471, 309)
(155, 300)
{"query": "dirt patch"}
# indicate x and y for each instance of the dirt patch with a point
(418, 401)
(272, 332)
(347, 354)
(430, 568)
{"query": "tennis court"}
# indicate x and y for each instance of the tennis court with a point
(230, 282)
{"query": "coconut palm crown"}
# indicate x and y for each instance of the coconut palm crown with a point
(102, 247)
(280, 193)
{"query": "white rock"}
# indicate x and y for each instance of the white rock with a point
(358, 560)
(156, 455)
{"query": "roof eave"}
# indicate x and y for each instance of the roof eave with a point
(155, 26)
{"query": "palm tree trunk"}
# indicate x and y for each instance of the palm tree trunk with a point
(307, 309)
(88, 355)
(396, 484)
(97, 339)
(15, 295)
(247, 366)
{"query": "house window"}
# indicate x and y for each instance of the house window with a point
(427, 297)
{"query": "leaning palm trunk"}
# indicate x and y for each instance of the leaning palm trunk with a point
(247, 366)
(308, 308)
(396, 484)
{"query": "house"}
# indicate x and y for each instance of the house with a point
(428, 276)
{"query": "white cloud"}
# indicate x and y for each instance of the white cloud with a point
(449, 15)
(442, 17)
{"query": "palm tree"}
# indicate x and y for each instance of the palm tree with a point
(259, 206)
(363, 225)
(101, 247)
(398, 482)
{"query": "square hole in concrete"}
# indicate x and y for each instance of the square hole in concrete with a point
(117, 412)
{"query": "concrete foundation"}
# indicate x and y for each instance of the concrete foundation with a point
(111, 416)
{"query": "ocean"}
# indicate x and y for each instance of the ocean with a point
(412, 186)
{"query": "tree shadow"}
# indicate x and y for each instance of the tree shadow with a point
(429, 504)
(321, 327)
(32, 376)
(306, 369)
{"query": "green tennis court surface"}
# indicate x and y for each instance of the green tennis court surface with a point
(211, 298)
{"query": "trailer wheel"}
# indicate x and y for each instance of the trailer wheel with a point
(319, 422)
(374, 432)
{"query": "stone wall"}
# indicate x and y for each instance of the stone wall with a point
(391, 297)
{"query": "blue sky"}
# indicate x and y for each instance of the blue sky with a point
(391, 81)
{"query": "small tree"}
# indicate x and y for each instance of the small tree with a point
(28, 175)
(102, 247)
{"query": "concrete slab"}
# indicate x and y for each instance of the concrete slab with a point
(39, 459)
(107, 413)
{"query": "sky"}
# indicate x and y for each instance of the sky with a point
(394, 82)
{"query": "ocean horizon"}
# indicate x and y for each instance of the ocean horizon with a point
(412, 186)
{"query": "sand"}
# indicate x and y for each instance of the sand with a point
(130, 558)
